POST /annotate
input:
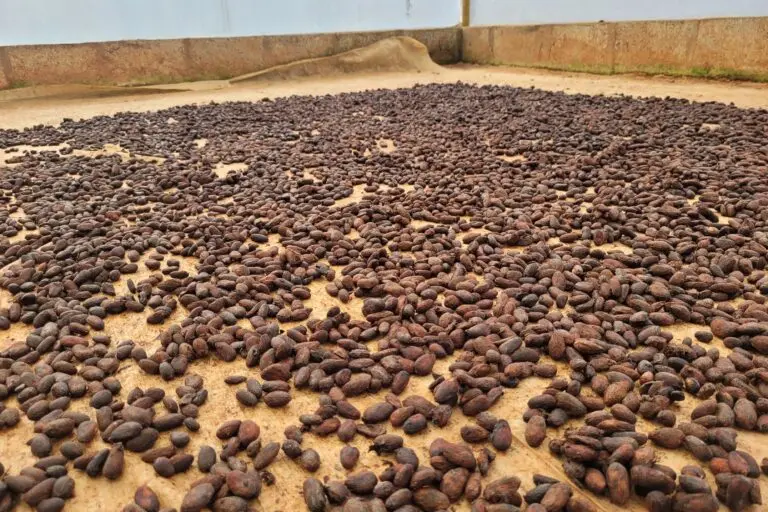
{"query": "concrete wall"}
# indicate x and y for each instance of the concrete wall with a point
(178, 60)
(529, 12)
(730, 47)
(38, 22)
(148, 41)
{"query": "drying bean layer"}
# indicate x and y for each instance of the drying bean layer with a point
(408, 300)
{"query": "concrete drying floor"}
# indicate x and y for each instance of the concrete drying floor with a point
(521, 460)
(28, 107)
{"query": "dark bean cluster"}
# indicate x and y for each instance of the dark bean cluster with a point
(348, 245)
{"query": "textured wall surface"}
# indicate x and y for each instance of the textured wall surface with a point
(728, 47)
(179, 60)
(529, 12)
(35, 22)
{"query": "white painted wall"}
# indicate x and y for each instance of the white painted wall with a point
(25, 22)
(531, 12)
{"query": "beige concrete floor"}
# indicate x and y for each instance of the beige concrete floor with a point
(22, 108)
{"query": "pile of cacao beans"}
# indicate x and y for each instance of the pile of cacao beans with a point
(469, 237)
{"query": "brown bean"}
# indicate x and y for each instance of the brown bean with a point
(349, 456)
(244, 484)
(430, 499)
(617, 479)
(454, 482)
(314, 495)
(146, 498)
(115, 462)
(266, 455)
(198, 498)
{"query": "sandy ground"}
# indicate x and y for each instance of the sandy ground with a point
(34, 108)
(520, 460)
